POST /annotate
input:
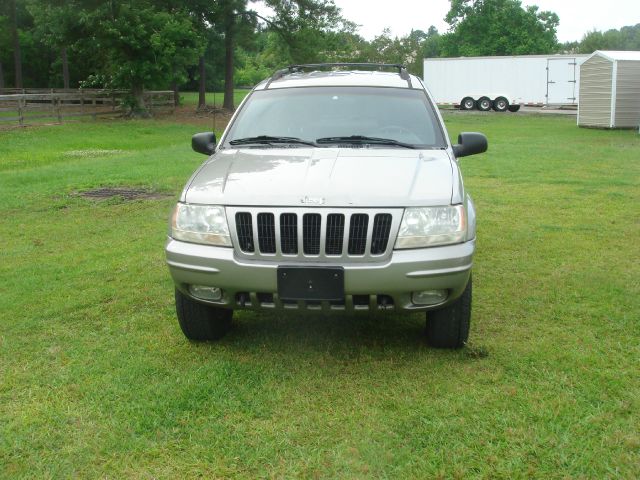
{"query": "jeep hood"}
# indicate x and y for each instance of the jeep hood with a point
(338, 177)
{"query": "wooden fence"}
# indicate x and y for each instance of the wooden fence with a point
(25, 106)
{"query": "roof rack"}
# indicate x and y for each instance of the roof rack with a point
(402, 70)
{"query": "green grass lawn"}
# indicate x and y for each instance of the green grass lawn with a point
(97, 381)
(213, 99)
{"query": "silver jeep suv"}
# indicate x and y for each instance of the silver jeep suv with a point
(334, 188)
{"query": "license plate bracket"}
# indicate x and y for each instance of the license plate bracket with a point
(311, 283)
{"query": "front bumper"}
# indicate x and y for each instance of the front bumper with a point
(368, 286)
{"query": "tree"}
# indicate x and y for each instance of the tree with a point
(55, 24)
(25, 60)
(498, 27)
(627, 38)
(135, 44)
(301, 27)
(305, 25)
(431, 46)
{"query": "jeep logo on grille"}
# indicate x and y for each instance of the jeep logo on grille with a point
(312, 200)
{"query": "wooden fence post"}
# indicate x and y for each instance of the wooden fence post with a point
(57, 102)
(53, 104)
(20, 112)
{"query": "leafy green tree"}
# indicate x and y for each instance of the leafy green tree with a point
(54, 27)
(498, 27)
(143, 46)
(627, 38)
(135, 44)
(304, 25)
(25, 63)
(301, 28)
(569, 47)
(258, 60)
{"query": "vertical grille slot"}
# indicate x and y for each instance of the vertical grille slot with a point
(380, 235)
(335, 234)
(266, 233)
(289, 233)
(244, 228)
(311, 233)
(358, 233)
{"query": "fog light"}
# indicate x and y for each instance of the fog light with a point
(205, 293)
(429, 297)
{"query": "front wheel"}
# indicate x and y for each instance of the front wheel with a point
(201, 322)
(448, 327)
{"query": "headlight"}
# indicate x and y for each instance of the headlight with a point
(200, 224)
(430, 226)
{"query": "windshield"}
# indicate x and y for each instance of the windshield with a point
(322, 113)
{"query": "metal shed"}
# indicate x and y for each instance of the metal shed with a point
(610, 90)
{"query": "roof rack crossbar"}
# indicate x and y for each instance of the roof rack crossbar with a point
(402, 70)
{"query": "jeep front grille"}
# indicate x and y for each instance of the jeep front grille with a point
(302, 234)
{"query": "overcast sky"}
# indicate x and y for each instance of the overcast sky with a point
(576, 16)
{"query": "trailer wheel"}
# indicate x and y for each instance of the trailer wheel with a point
(484, 104)
(514, 108)
(500, 104)
(467, 103)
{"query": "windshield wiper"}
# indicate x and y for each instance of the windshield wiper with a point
(364, 140)
(268, 140)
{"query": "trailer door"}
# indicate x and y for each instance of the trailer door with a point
(561, 81)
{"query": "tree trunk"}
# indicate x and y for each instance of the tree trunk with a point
(65, 68)
(176, 93)
(174, 88)
(1, 78)
(16, 43)
(202, 100)
(138, 108)
(228, 66)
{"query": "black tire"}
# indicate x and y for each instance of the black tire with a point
(467, 103)
(501, 104)
(514, 108)
(201, 322)
(448, 327)
(484, 104)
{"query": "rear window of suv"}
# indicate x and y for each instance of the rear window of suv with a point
(310, 113)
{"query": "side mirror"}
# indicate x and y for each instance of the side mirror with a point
(204, 143)
(470, 143)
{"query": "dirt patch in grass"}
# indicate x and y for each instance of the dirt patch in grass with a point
(126, 193)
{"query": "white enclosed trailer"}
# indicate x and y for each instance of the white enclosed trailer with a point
(504, 83)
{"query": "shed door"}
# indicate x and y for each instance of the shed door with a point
(561, 81)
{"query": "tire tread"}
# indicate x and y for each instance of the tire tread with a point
(201, 322)
(448, 327)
